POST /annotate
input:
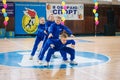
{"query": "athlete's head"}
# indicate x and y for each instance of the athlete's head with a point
(57, 19)
(63, 38)
(42, 20)
(51, 17)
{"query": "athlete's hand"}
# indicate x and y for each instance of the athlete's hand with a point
(72, 35)
(52, 45)
(72, 46)
(50, 35)
(45, 32)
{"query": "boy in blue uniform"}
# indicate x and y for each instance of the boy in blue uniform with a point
(54, 32)
(56, 28)
(47, 26)
(61, 45)
(39, 36)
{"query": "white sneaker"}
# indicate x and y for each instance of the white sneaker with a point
(54, 56)
(47, 64)
(73, 63)
(66, 61)
(31, 58)
(40, 62)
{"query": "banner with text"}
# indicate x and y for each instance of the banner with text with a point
(73, 12)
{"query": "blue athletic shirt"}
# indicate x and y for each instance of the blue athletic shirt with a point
(40, 31)
(56, 29)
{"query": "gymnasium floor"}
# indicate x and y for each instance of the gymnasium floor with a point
(98, 59)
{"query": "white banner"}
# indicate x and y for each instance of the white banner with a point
(73, 12)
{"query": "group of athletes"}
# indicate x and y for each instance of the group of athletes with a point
(55, 38)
